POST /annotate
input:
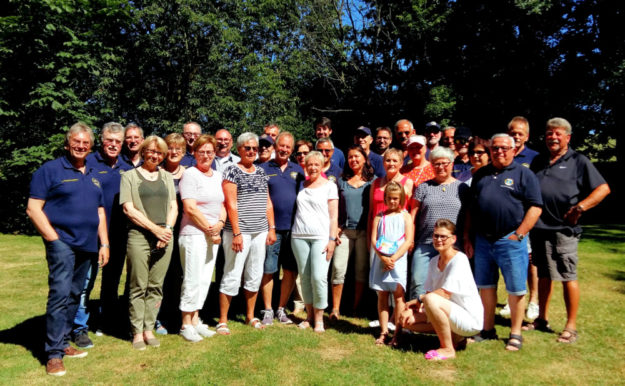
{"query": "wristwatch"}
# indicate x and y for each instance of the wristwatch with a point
(520, 236)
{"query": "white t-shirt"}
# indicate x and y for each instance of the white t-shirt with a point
(207, 192)
(457, 278)
(312, 219)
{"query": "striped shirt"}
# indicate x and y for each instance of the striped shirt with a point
(252, 195)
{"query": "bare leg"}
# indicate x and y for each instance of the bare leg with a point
(224, 306)
(438, 309)
(318, 315)
(267, 286)
(517, 308)
(337, 292)
(187, 317)
(489, 300)
(571, 301)
(532, 282)
(545, 289)
(359, 288)
(383, 311)
(250, 301)
(286, 287)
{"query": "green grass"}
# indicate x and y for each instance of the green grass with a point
(345, 354)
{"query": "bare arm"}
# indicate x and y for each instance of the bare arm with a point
(34, 210)
(271, 235)
(593, 199)
(529, 220)
(230, 192)
(408, 238)
(104, 252)
(333, 209)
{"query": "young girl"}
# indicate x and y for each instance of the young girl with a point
(392, 234)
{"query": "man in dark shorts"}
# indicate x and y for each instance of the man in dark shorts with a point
(570, 185)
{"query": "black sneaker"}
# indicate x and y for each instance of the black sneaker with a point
(81, 339)
(485, 335)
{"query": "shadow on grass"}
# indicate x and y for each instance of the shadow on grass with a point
(604, 233)
(30, 334)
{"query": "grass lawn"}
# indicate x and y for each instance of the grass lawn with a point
(345, 354)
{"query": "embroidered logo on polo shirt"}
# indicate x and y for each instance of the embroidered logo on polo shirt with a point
(508, 182)
(294, 175)
(96, 182)
(562, 167)
(70, 180)
(526, 164)
(332, 178)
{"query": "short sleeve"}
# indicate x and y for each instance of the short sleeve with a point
(188, 184)
(420, 192)
(231, 174)
(39, 185)
(333, 193)
(125, 188)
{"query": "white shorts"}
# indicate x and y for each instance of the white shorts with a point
(249, 263)
(462, 322)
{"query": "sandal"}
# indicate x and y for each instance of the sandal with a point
(256, 324)
(568, 335)
(335, 315)
(434, 355)
(304, 325)
(514, 345)
(539, 325)
(319, 327)
(222, 329)
(381, 341)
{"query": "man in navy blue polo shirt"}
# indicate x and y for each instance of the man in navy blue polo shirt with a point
(109, 167)
(190, 131)
(506, 205)
(331, 170)
(570, 185)
(284, 178)
(363, 137)
(323, 129)
(66, 205)
(462, 164)
(133, 138)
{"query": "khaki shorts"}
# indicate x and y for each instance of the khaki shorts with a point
(555, 254)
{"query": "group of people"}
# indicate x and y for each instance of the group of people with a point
(427, 223)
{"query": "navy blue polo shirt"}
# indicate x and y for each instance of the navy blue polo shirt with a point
(188, 160)
(563, 184)
(338, 158)
(283, 191)
(71, 200)
(334, 172)
(127, 160)
(110, 180)
(461, 170)
(377, 162)
(501, 197)
(526, 156)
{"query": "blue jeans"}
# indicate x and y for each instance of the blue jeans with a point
(66, 279)
(82, 313)
(421, 257)
(313, 270)
(508, 255)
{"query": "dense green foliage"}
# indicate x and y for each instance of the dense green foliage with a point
(241, 64)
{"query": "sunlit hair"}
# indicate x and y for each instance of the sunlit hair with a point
(442, 152)
(245, 138)
(402, 121)
(557, 122)
(384, 128)
(395, 187)
(502, 135)
(324, 140)
(521, 119)
(302, 142)
(133, 125)
(192, 123)
(203, 140)
(269, 126)
(79, 127)
(446, 224)
(284, 134)
(473, 145)
(367, 173)
(391, 151)
(111, 127)
(315, 154)
(323, 121)
(175, 139)
(160, 143)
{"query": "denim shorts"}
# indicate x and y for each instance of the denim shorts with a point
(508, 255)
(280, 253)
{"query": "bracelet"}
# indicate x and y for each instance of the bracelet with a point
(273, 227)
(167, 226)
(105, 246)
(332, 238)
(236, 234)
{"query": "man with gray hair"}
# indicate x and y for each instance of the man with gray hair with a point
(133, 138)
(570, 185)
(223, 155)
(506, 203)
(190, 131)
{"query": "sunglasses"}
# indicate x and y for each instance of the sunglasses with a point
(251, 148)
(301, 153)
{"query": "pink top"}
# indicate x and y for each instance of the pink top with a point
(378, 204)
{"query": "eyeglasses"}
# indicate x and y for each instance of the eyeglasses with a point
(461, 141)
(191, 135)
(175, 150)
(440, 237)
(115, 141)
(477, 152)
(205, 153)
(251, 148)
(441, 164)
(301, 153)
(153, 152)
(325, 150)
(505, 149)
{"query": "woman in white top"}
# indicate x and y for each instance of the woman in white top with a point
(313, 238)
(204, 217)
(451, 306)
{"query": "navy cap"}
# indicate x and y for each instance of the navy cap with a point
(432, 126)
(365, 130)
(463, 132)
(266, 138)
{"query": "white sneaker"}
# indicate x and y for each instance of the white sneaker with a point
(203, 330)
(532, 311)
(391, 326)
(505, 311)
(374, 323)
(188, 332)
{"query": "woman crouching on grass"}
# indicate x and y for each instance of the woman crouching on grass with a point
(451, 306)
(392, 235)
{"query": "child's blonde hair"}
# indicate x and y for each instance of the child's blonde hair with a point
(395, 187)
